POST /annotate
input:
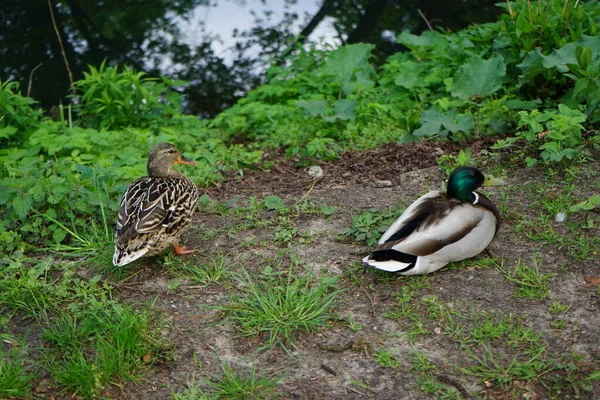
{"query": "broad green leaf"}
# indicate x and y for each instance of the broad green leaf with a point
(274, 203)
(518, 104)
(59, 235)
(409, 75)
(531, 66)
(431, 122)
(7, 132)
(462, 123)
(536, 63)
(344, 62)
(427, 39)
(583, 54)
(22, 206)
(362, 79)
(479, 78)
(344, 110)
(313, 107)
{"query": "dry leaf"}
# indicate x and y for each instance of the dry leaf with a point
(592, 280)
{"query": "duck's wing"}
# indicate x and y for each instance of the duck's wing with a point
(420, 210)
(146, 207)
(431, 223)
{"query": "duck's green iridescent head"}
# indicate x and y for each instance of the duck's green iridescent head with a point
(465, 180)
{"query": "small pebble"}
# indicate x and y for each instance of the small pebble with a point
(560, 217)
(382, 184)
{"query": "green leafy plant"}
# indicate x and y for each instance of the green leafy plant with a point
(587, 205)
(368, 227)
(449, 162)
(557, 134)
(17, 114)
(113, 99)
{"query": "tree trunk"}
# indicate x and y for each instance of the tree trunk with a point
(368, 22)
(324, 10)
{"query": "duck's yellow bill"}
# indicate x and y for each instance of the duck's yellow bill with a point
(491, 181)
(185, 160)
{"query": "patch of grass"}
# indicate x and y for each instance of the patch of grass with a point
(475, 263)
(234, 384)
(352, 324)
(387, 359)
(531, 283)
(433, 308)
(481, 328)
(504, 351)
(279, 310)
(40, 288)
(362, 385)
(493, 367)
(193, 392)
(429, 384)
(406, 308)
(91, 339)
(421, 362)
(558, 324)
(556, 307)
(490, 327)
(215, 270)
(452, 323)
(15, 379)
(546, 202)
(91, 350)
(93, 241)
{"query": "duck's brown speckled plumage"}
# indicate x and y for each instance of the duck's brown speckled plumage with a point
(155, 210)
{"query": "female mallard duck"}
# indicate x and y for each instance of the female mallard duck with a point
(155, 209)
(440, 227)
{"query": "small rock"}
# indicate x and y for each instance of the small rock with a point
(382, 184)
(560, 217)
(437, 330)
(328, 369)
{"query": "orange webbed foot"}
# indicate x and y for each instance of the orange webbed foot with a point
(182, 249)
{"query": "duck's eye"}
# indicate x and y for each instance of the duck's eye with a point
(171, 151)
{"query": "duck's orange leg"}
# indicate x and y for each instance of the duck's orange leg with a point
(182, 249)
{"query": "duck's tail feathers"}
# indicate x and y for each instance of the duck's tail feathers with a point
(390, 265)
(121, 257)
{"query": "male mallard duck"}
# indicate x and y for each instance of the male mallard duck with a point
(440, 227)
(155, 209)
